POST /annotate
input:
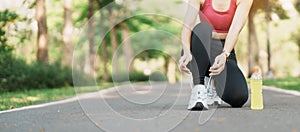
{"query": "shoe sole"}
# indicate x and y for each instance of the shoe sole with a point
(198, 107)
(214, 103)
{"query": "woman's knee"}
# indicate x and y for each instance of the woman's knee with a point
(202, 27)
(201, 35)
(235, 95)
(239, 100)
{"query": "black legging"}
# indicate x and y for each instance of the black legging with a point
(231, 85)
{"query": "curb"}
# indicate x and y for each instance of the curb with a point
(291, 92)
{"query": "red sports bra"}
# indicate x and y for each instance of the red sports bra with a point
(219, 20)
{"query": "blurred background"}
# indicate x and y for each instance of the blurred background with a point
(38, 37)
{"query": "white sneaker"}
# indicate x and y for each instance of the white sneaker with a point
(198, 99)
(212, 97)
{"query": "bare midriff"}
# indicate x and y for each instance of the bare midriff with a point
(217, 35)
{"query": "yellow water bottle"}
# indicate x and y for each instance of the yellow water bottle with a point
(256, 90)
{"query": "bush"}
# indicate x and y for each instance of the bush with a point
(137, 76)
(16, 74)
(158, 76)
(134, 76)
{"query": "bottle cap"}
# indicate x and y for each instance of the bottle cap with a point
(255, 69)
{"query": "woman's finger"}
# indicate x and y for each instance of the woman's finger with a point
(186, 61)
(185, 69)
(181, 66)
(217, 71)
(216, 67)
(220, 69)
(217, 64)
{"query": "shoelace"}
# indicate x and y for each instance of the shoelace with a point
(209, 83)
(209, 88)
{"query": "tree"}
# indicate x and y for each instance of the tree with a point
(296, 36)
(6, 50)
(127, 47)
(125, 33)
(297, 5)
(104, 53)
(114, 42)
(42, 40)
(252, 41)
(170, 67)
(91, 38)
(67, 34)
(266, 6)
(268, 18)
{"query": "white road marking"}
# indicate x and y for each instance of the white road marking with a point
(291, 92)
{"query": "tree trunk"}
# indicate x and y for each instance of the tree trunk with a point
(104, 59)
(171, 70)
(42, 38)
(67, 34)
(127, 48)
(253, 43)
(103, 46)
(114, 42)
(268, 18)
(91, 38)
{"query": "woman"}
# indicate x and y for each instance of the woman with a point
(208, 50)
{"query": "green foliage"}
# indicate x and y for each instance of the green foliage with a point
(16, 99)
(297, 5)
(17, 75)
(277, 8)
(158, 76)
(134, 76)
(6, 17)
(151, 54)
(291, 83)
(80, 14)
(137, 76)
(135, 23)
(103, 3)
(296, 38)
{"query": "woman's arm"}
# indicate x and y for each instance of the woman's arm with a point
(188, 25)
(237, 24)
(189, 22)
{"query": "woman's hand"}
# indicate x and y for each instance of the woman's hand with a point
(219, 65)
(184, 60)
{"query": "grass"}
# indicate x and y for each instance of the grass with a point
(17, 99)
(291, 83)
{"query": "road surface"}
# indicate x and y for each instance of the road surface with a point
(155, 107)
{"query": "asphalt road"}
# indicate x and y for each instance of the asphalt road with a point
(156, 107)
